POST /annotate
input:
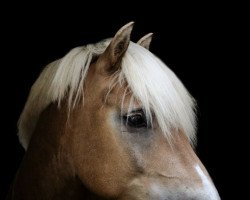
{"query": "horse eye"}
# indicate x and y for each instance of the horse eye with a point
(136, 119)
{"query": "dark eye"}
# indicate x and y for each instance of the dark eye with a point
(136, 119)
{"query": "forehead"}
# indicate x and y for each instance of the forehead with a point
(120, 95)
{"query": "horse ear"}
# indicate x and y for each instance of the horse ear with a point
(145, 41)
(116, 49)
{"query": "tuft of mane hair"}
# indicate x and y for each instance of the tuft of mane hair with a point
(150, 80)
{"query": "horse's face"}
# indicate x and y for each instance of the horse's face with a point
(119, 154)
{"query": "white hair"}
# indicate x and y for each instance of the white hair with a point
(151, 81)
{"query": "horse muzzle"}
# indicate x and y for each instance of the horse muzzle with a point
(145, 188)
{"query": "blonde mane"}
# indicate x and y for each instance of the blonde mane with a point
(150, 80)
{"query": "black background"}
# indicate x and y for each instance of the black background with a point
(195, 41)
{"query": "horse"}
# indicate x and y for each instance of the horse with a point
(110, 121)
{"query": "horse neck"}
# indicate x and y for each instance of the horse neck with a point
(47, 171)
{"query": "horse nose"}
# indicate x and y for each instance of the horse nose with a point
(181, 192)
(170, 190)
